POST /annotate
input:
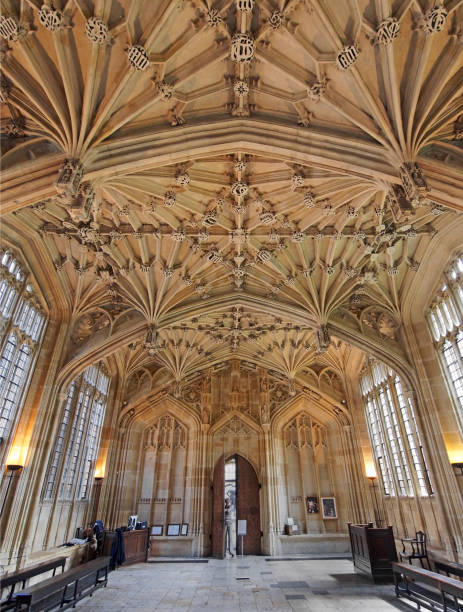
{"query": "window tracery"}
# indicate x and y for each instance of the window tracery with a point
(78, 436)
(445, 318)
(394, 433)
(22, 323)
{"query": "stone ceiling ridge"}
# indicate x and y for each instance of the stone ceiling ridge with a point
(163, 155)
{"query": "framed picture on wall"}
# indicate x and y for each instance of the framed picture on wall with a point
(329, 508)
(184, 530)
(173, 529)
(156, 530)
(312, 505)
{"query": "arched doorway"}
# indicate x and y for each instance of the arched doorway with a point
(236, 479)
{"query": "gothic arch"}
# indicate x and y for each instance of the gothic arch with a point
(234, 414)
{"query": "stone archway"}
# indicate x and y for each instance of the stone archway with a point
(247, 506)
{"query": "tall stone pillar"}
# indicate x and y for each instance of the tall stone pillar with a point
(308, 475)
(202, 517)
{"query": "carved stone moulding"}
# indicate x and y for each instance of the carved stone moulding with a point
(213, 17)
(244, 5)
(182, 178)
(169, 198)
(178, 235)
(309, 199)
(239, 236)
(209, 219)
(434, 20)
(241, 88)
(316, 90)
(15, 127)
(413, 182)
(11, 29)
(458, 128)
(242, 48)
(399, 205)
(88, 324)
(297, 236)
(387, 30)
(214, 256)
(69, 177)
(263, 255)
(276, 19)
(138, 58)
(96, 30)
(347, 56)
(323, 339)
(165, 90)
(297, 180)
(267, 218)
(381, 322)
(239, 189)
(50, 18)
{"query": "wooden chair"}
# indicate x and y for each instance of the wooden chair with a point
(418, 549)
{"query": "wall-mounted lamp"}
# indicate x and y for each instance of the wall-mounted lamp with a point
(12, 467)
(458, 466)
(370, 470)
(372, 479)
(99, 472)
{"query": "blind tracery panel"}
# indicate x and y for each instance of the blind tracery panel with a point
(394, 434)
(76, 445)
(445, 319)
(22, 324)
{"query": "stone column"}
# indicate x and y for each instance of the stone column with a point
(308, 476)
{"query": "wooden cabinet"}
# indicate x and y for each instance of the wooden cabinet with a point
(136, 545)
(373, 551)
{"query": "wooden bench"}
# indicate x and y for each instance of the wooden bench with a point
(65, 590)
(23, 575)
(448, 567)
(428, 589)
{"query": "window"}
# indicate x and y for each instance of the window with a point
(445, 318)
(22, 324)
(76, 445)
(394, 433)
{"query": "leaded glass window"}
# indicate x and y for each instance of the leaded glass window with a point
(394, 433)
(22, 323)
(78, 436)
(445, 319)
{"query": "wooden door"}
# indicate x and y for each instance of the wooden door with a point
(218, 494)
(248, 505)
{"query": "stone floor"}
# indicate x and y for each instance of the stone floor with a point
(243, 584)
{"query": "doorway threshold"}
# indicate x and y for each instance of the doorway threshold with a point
(314, 557)
(175, 560)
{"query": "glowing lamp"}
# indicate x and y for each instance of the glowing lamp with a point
(455, 455)
(99, 473)
(370, 469)
(16, 457)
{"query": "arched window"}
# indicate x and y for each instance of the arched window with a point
(394, 434)
(445, 318)
(22, 324)
(76, 446)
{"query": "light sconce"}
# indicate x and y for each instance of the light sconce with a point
(12, 467)
(370, 470)
(458, 468)
(372, 476)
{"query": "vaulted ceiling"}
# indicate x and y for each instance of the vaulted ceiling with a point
(213, 178)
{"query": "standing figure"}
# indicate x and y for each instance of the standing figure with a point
(227, 523)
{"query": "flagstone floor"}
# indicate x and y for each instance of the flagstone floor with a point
(242, 584)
